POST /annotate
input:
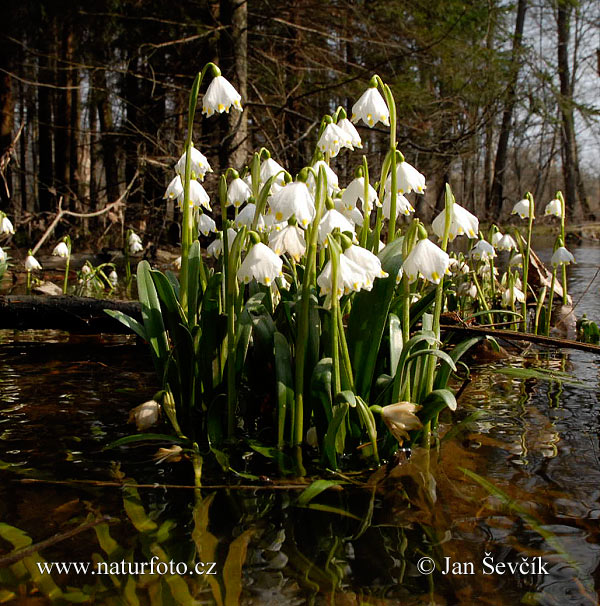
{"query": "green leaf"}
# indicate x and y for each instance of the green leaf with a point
(285, 385)
(194, 262)
(543, 375)
(128, 321)
(144, 437)
(316, 488)
(329, 441)
(443, 373)
(368, 421)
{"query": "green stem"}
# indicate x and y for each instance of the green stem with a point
(550, 301)
(526, 260)
(66, 280)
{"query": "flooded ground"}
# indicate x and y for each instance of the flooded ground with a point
(505, 511)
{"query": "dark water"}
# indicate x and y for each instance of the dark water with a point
(527, 532)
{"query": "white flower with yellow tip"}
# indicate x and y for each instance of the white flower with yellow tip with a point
(554, 207)
(3, 255)
(462, 222)
(330, 177)
(199, 165)
(333, 139)
(238, 192)
(351, 131)
(206, 224)
(510, 295)
(61, 250)
(351, 277)
(6, 227)
(174, 189)
(427, 260)
(220, 97)
(521, 208)
(353, 215)
(31, 263)
(562, 256)
(269, 168)
(294, 199)
(366, 260)
(371, 108)
(198, 196)
(496, 237)
(246, 217)
(215, 248)
(145, 415)
(483, 251)
(331, 220)
(467, 289)
(289, 240)
(408, 179)
(400, 418)
(403, 206)
(260, 264)
(177, 263)
(506, 242)
(356, 191)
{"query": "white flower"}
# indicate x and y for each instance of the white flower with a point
(238, 192)
(350, 277)
(510, 295)
(145, 415)
(554, 207)
(506, 242)
(173, 454)
(215, 249)
(403, 206)
(86, 270)
(206, 224)
(198, 196)
(428, 260)
(270, 168)
(356, 191)
(199, 165)
(174, 189)
(271, 224)
(516, 261)
(177, 263)
(293, 199)
(562, 256)
(496, 237)
(333, 139)
(113, 278)
(467, 289)
(485, 270)
(330, 177)
(31, 263)
(351, 131)
(331, 220)
(521, 208)
(458, 267)
(134, 243)
(408, 179)
(61, 250)
(353, 215)
(246, 217)
(220, 96)
(6, 227)
(400, 418)
(371, 108)
(262, 264)
(366, 260)
(483, 251)
(289, 240)
(462, 222)
(3, 255)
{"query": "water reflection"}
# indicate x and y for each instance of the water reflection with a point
(535, 442)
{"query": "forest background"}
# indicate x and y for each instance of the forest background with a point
(495, 97)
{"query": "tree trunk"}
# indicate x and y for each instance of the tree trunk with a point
(496, 197)
(45, 164)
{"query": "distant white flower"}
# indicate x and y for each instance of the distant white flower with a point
(174, 189)
(246, 217)
(198, 196)
(562, 256)
(351, 131)
(3, 255)
(289, 240)
(483, 251)
(86, 270)
(31, 263)
(145, 415)
(220, 96)
(403, 206)
(199, 165)
(333, 139)
(113, 278)
(516, 260)
(467, 289)
(331, 220)
(356, 191)
(510, 295)
(408, 179)
(371, 108)
(496, 237)
(270, 168)
(485, 269)
(215, 248)
(61, 250)
(554, 207)
(206, 224)
(426, 260)
(238, 192)
(462, 222)
(293, 199)
(134, 243)
(6, 227)
(506, 242)
(521, 208)
(458, 267)
(260, 264)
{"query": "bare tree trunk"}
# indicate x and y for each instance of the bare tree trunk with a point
(45, 163)
(496, 197)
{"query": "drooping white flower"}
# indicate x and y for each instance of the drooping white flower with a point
(289, 240)
(506, 242)
(562, 256)
(351, 277)
(145, 415)
(134, 242)
(6, 227)
(260, 264)
(371, 108)
(356, 191)
(400, 418)
(467, 289)
(238, 192)
(426, 260)
(293, 199)
(31, 263)
(331, 220)
(403, 206)
(198, 168)
(496, 237)
(510, 295)
(113, 278)
(270, 168)
(484, 270)
(330, 177)
(215, 248)
(483, 251)
(408, 179)
(353, 215)
(198, 196)
(3, 255)
(246, 217)
(366, 260)
(206, 224)
(521, 208)
(177, 263)
(61, 250)
(333, 139)
(220, 96)
(351, 131)
(516, 260)
(458, 267)
(461, 222)
(554, 207)
(174, 189)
